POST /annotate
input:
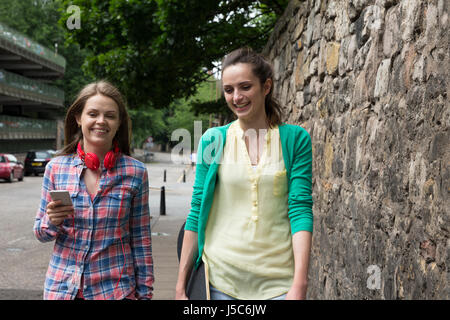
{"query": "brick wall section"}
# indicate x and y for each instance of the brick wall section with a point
(368, 79)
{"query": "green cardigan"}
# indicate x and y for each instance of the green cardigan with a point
(297, 156)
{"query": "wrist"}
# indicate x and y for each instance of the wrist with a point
(52, 226)
(180, 287)
(301, 284)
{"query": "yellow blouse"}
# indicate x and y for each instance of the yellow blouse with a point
(248, 243)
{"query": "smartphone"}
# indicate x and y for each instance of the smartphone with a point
(63, 195)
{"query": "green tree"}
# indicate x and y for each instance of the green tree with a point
(147, 122)
(183, 115)
(157, 50)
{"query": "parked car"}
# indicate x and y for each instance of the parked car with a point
(10, 168)
(52, 152)
(35, 161)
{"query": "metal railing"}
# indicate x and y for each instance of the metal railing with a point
(26, 128)
(26, 43)
(16, 81)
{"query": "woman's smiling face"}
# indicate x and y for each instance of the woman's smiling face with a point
(243, 91)
(99, 121)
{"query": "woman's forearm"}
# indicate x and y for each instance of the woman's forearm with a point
(187, 260)
(301, 244)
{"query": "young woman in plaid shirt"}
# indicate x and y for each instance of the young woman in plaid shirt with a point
(103, 241)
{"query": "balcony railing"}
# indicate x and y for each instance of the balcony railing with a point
(30, 89)
(26, 128)
(26, 43)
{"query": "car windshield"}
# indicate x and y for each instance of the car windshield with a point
(2, 159)
(42, 154)
(11, 158)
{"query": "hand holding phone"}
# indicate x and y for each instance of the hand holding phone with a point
(62, 195)
(60, 207)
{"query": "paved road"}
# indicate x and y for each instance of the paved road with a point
(24, 260)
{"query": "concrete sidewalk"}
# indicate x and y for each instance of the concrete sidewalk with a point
(165, 229)
(165, 259)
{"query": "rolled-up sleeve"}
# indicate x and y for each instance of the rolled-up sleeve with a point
(43, 229)
(141, 244)
(300, 185)
(201, 171)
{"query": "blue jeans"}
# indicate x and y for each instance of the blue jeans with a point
(216, 294)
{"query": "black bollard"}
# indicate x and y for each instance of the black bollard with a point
(162, 205)
(184, 175)
(164, 175)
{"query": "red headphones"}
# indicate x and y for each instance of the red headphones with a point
(91, 160)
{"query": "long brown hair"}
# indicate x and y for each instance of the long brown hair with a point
(263, 70)
(73, 134)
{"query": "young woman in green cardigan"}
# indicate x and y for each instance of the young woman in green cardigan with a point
(251, 217)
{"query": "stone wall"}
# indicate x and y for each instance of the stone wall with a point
(368, 79)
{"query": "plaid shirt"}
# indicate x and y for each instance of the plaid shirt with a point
(90, 256)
